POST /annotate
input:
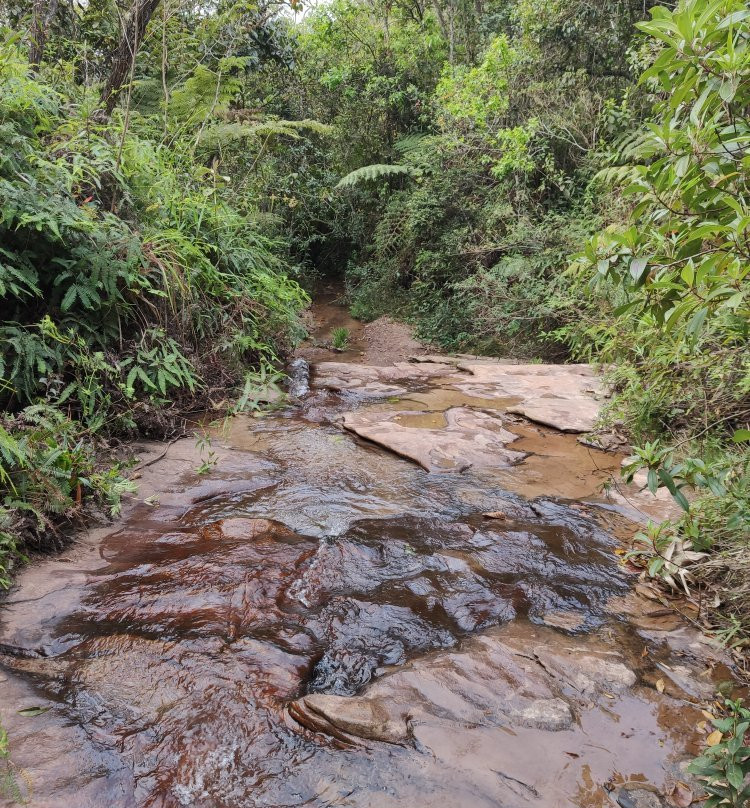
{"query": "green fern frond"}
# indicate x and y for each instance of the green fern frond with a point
(411, 143)
(223, 133)
(373, 172)
(617, 176)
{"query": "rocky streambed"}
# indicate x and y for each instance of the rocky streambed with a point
(401, 589)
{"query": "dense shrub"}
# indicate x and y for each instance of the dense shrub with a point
(678, 270)
(129, 282)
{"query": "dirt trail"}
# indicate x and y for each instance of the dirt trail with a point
(395, 591)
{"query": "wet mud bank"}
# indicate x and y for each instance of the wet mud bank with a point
(402, 589)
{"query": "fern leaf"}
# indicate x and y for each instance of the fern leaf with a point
(70, 297)
(412, 143)
(373, 172)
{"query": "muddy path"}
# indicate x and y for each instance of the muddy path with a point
(398, 590)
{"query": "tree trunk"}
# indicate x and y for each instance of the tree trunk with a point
(446, 25)
(43, 12)
(127, 49)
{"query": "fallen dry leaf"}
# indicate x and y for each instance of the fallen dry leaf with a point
(707, 715)
(494, 515)
(714, 738)
(647, 591)
(660, 685)
(631, 568)
(680, 796)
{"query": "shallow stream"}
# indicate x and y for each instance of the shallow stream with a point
(169, 653)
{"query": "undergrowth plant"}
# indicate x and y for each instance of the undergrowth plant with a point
(9, 788)
(724, 765)
(672, 278)
(50, 470)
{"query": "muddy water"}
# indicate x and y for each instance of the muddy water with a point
(326, 315)
(166, 652)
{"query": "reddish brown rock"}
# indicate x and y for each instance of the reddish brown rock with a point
(564, 397)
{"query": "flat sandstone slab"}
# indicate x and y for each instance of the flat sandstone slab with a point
(469, 438)
(566, 415)
(377, 380)
(564, 397)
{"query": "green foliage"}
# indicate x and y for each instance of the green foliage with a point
(9, 552)
(371, 173)
(208, 455)
(477, 97)
(137, 273)
(9, 788)
(725, 765)
(158, 366)
(89, 271)
(500, 156)
(261, 388)
(48, 468)
(672, 280)
(681, 258)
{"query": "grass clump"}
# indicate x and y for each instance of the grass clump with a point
(340, 338)
(9, 788)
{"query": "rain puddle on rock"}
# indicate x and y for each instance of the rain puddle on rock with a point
(318, 621)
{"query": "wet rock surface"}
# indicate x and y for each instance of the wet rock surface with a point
(465, 439)
(565, 397)
(378, 380)
(318, 621)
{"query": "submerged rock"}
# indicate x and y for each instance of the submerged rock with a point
(484, 683)
(638, 798)
(504, 717)
(585, 673)
(360, 637)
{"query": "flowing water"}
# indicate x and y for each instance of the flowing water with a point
(166, 652)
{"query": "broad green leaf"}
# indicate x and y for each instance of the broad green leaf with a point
(735, 776)
(637, 267)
